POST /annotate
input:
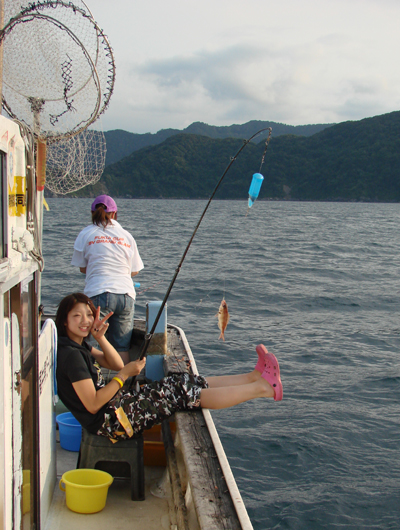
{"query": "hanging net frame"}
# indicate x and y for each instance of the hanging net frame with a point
(75, 162)
(58, 68)
(12, 8)
(79, 19)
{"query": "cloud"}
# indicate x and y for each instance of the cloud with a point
(220, 74)
(319, 81)
(239, 80)
(292, 62)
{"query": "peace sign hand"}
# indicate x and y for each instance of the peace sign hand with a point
(99, 327)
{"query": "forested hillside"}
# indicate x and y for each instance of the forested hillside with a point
(122, 143)
(350, 161)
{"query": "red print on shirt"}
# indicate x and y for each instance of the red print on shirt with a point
(111, 240)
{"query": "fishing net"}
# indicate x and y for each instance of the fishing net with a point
(12, 8)
(58, 67)
(75, 162)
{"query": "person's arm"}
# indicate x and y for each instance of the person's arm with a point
(136, 262)
(78, 256)
(93, 400)
(107, 357)
(83, 270)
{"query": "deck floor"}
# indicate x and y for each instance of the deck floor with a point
(120, 512)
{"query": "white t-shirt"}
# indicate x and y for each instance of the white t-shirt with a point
(110, 255)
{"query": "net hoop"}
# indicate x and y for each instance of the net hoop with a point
(102, 40)
(99, 95)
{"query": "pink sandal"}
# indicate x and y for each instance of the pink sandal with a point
(261, 352)
(272, 374)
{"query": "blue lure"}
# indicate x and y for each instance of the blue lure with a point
(255, 187)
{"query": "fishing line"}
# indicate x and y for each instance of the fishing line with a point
(149, 335)
(148, 288)
(265, 150)
(207, 295)
(224, 229)
(257, 177)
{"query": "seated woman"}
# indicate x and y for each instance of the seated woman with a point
(97, 406)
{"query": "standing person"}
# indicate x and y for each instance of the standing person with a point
(109, 257)
(106, 410)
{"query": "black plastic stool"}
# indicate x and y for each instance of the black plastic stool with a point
(96, 451)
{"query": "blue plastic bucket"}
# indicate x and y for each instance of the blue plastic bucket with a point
(70, 431)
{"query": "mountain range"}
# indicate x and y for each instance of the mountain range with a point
(349, 161)
(122, 143)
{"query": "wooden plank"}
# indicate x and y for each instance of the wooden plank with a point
(176, 486)
(211, 497)
(177, 361)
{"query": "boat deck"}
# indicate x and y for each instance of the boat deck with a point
(120, 511)
(195, 491)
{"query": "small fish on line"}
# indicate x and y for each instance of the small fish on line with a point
(223, 318)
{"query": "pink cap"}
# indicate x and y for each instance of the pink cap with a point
(107, 201)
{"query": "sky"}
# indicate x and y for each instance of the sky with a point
(226, 62)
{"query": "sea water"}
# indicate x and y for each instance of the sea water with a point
(319, 285)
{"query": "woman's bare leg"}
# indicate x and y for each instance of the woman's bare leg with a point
(228, 396)
(241, 379)
(220, 381)
(230, 390)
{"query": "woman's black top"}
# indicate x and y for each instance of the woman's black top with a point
(74, 363)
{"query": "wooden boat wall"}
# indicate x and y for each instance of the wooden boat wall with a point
(20, 384)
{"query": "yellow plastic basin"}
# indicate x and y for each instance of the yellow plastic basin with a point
(85, 489)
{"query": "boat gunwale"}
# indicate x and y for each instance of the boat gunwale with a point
(236, 497)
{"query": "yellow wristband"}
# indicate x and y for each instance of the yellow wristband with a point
(121, 384)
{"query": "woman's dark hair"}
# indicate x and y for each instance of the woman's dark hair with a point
(66, 305)
(101, 217)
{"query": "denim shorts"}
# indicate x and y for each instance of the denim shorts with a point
(120, 328)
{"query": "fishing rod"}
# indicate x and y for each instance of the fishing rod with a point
(149, 335)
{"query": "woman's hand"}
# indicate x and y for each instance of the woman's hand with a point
(107, 356)
(133, 368)
(100, 326)
(93, 400)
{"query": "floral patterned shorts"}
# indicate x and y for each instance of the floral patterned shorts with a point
(152, 404)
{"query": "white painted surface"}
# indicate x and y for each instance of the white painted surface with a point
(6, 426)
(16, 420)
(47, 427)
